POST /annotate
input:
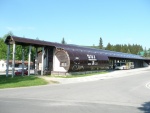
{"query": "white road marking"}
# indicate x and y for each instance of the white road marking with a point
(148, 85)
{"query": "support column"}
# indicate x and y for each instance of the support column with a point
(7, 65)
(36, 61)
(13, 60)
(47, 59)
(42, 69)
(22, 60)
(29, 59)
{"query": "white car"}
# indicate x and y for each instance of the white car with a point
(120, 66)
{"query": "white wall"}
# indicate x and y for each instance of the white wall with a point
(56, 65)
(2, 65)
(20, 67)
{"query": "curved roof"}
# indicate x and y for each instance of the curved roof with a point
(70, 48)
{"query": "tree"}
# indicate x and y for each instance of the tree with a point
(118, 48)
(129, 48)
(8, 34)
(93, 46)
(3, 46)
(101, 43)
(109, 46)
(148, 53)
(63, 41)
(125, 48)
(3, 49)
(129, 51)
(145, 52)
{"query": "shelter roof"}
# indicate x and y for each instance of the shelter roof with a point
(69, 47)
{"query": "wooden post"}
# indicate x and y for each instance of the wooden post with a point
(13, 60)
(47, 59)
(29, 59)
(36, 61)
(42, 69)
(22, 60)
(8, 54)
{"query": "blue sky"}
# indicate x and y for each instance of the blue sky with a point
(80, 22)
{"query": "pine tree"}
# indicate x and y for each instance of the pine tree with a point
(148, 53)
(124, 48)
(63, 41)
(118, 47)
(145, 52)
(128, 51)
(109, 46)
(101, 43)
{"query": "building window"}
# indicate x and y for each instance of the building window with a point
(89, 62)
(92, 63)
(2, 65)
(63, 64)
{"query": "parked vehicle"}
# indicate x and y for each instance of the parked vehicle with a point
(130, 65)
(124, 65)
(120, 65)
(19, 72)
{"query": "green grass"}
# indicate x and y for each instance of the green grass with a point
(24, 81)
(20, 81)
(80, 75)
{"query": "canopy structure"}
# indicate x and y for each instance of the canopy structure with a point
(72, 52)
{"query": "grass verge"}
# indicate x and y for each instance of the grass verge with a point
(20, 81)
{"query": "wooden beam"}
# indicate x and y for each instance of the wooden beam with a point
(42, 68)
(13, 60)
(47, 59)
(7, 65)
(29, 59)
(22, 60)
(36, 61)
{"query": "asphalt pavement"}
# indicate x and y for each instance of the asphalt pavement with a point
(122, 91)
(109, 75)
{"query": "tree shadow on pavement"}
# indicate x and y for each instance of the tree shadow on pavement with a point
(145, 107)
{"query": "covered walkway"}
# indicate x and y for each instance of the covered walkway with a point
(48, 49)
